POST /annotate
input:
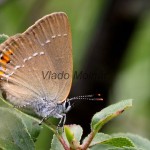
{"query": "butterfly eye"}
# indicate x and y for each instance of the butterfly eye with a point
(66, 106)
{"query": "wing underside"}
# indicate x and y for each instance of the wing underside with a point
(27, 60)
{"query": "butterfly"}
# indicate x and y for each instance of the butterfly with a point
(27, 59)
(45, 46)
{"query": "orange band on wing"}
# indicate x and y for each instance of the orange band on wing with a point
(6, 58)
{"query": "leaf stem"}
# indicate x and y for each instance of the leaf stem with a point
(86, 144)
(62, 141)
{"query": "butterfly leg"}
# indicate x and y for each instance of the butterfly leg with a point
(44, 118)
(62, 120)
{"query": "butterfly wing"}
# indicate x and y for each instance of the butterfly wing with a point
(28, 59)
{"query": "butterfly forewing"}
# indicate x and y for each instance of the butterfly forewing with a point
(30, 62)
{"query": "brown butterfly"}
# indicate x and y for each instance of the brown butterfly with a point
(27, 58)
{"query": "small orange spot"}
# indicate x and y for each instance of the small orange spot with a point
(6, 58)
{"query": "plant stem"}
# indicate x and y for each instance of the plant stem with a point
(86, 144)
(62, 141)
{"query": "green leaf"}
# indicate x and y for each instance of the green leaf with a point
(100, 137)
(138, 141)
(108, 113)
(107, 141)
(69, 134)
(125, 148)
(13, 133)
(102, 147)
(73, 132)
(31, 123)
(110, 147)
(32, 126)
(6, 145)
(76, 130)
(3, 38)
(119, 142)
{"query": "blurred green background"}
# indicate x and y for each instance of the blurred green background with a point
(111, 39)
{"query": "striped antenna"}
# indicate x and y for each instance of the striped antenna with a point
(92, 97)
